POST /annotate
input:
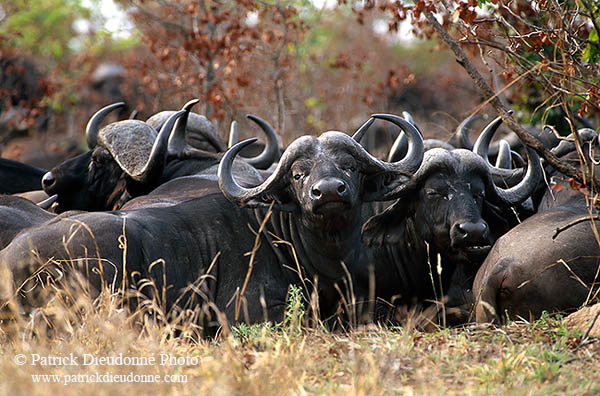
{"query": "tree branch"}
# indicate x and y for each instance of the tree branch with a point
(583, 176)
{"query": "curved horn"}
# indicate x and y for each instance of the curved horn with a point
(233, 134)
(134, 114)
(408, 117)
(177, 143)
(517, 160)
(482, 145)
(304, 146)
(360, 132)
(47, 203)
(241, 195)
(93, 126)
(462, 132)
(525, 187)
(156, 162)
(270, 153)
(414, 155)
(399, 148)
(400, 145)
(231, 189)
(504, 158)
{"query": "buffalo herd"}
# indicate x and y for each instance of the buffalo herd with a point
(163, 210)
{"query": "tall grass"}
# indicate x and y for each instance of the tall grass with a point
(288, 357)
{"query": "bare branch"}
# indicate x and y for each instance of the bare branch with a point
(580, 175)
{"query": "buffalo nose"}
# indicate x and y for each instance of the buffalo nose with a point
(469, 233)
(329, 187)
(48, 180)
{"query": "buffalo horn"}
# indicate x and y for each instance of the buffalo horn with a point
(156, 162)
(414, 155)
(233, 134)
(93, 125)
(177, 139)
(519, 193)
(360, 132)
(305, 144)
(270, 153)
(400, 145)
(482, 147)
(47, 203)
(504, 158)
(462, 132)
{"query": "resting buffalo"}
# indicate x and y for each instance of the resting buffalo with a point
(123, 154)
(16, 177)
(18, 213)
(449, 216)
(549, 262)
(106, 176)
(201, 244)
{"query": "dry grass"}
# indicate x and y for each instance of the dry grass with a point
(519, 359)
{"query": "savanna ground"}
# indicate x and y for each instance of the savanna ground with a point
(521, 358)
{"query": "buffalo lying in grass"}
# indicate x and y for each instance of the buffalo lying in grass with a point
(301, 226)
(551, 261)
(130, 158)
(431, 241)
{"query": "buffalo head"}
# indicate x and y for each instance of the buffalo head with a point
(121, 153)
(455, 196)
(328, 177)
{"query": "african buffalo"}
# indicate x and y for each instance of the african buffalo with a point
(439, 231)
(549, 262)
(104, 177)
(18, 213)
(301, 225)
(16, 177)
(123, 154)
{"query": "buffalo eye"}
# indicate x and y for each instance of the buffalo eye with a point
(432, 194)
(480, 195)
(298, 176)
(351, 169)
(100, 156)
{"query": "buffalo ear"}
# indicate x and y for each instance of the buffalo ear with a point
(386, 227)
(385, 186)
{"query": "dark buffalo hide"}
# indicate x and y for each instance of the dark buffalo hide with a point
(192, 252)
(430, 242)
